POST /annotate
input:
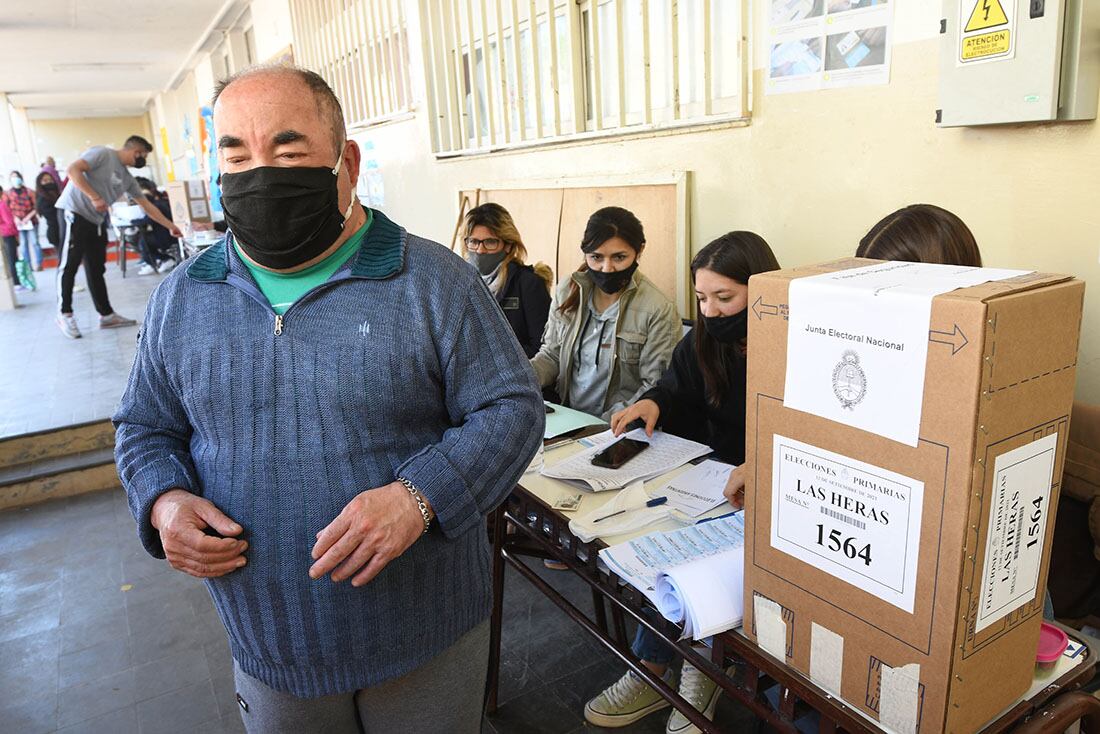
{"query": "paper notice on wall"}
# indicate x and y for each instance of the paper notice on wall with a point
(1018, 512)
(824, 44)
(856, 521)
(857, 342)
(195, 190)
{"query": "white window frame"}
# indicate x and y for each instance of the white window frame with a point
(512, 114)
(361, 48)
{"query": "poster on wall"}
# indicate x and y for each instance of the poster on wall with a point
(210, 154)
(828, 44)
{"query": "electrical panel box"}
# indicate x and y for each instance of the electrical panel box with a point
(1011, 61)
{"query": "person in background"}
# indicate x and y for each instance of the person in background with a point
(47, 190)
(921, 233)
(98, 178)
(700, 397)
(20, 200)
(157, 243)
(493, 245)
(611, 331)
(10, 235)
(50, 167)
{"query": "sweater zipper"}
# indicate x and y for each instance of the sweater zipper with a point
(278, 324)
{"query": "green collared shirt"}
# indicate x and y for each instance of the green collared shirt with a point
(283, 289)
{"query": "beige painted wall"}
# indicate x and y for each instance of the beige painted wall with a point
(814, 171)
(66, 139)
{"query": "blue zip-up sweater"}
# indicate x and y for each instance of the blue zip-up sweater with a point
(400, 365)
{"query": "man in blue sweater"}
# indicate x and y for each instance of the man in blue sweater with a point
(322, 410)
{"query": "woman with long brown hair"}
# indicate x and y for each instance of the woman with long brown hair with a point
(701, 397)
(922, 233)
(611, 331)
(493, 245)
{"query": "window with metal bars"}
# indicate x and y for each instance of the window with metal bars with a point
(361, 48)
(511, 73)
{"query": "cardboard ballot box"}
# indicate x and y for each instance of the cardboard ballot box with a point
(907, 576)
(190, 202)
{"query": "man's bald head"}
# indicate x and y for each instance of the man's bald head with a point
(327, 103)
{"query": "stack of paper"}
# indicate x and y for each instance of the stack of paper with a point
(694, 575)
(699, 489)
(665, 453)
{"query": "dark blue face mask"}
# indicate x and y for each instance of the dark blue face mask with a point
(728, 329)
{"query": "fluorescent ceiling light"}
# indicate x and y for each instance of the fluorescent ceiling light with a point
(100, 66)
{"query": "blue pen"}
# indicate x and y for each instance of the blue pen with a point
(719, 517)
(652, 503)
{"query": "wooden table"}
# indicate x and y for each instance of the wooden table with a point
(526, 527)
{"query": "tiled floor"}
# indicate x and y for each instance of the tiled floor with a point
(96, 636)
(48, 381)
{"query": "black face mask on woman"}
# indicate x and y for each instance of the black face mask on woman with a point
(284, 216)
(728, 329)
(612, 283)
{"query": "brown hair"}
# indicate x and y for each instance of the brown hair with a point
(611, 221)
(921, 233)
(738, 256)
(498, 221)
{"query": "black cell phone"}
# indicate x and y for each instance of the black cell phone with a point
(549, 410)
(619, 453)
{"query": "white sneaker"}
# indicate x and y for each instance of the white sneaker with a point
(114, 321)
(166, 266)
(146, 269)
(698, 690)
(624, 702)
(67, 324)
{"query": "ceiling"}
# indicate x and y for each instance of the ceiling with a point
(101, 58)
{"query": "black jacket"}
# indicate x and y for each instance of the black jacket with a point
(681, 395)
(525, 300)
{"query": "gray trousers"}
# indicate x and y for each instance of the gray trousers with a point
(443, 695)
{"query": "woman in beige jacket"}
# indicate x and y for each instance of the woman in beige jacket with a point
(611, 332)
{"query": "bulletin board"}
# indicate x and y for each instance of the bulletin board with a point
(551, 217)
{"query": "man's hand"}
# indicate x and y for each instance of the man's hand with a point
(99, 204)
(735, 488)
(175, 231)
(647, 410)
(373, 529)
(181, 517)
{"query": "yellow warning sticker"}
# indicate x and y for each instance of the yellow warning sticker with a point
(987, 31)
(986, 14)
(986, 45)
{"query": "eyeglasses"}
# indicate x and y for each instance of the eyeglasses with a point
(491, 244)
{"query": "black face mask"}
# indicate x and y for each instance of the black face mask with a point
(139, 161)
(283, 217)
(612, 283)
(728, 329)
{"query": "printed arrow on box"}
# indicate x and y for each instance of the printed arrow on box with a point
(956, 338)
(762, 309)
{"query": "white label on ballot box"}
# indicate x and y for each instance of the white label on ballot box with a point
(1018, 509)
(855, 521)
(857, 342)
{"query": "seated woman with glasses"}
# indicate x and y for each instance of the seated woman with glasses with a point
(611, 331)
(493, 246)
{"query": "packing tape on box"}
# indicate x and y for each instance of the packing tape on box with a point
(771, 630)
(899, 698)
(826, 658)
